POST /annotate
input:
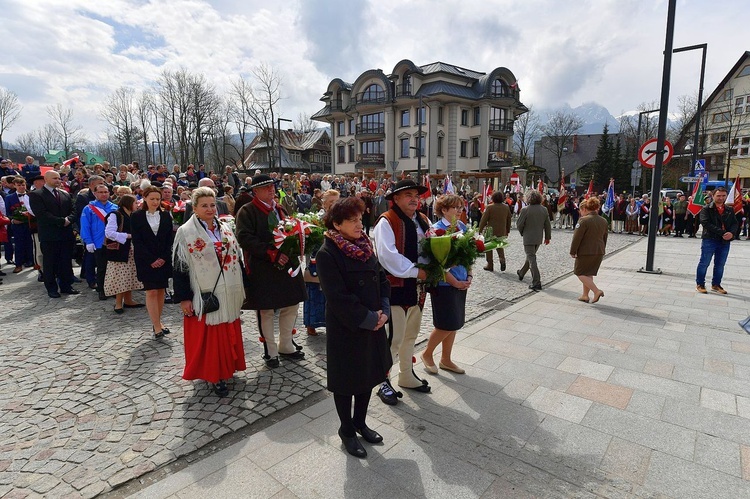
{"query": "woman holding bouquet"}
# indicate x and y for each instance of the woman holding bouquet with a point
(449, 296)
(357, 309)
(207, 260)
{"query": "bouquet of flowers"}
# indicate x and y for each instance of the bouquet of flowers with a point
(21, 214)
(178, 212)
(228, 220)
(448, 248)
(296, 237)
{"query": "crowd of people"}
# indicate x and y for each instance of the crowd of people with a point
(206, 241)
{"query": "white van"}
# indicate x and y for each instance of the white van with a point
(671, 193)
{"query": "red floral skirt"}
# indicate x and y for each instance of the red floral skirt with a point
(212, 353)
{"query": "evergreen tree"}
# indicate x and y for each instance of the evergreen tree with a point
(622, 168)
(604, 166)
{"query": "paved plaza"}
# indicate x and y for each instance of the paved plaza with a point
(642, 394)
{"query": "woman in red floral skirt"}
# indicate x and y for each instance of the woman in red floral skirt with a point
(207, 260)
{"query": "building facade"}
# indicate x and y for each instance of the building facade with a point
(466, 119)
(300, 152)
(725, 126)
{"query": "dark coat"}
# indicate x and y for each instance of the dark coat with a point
(715, 225)
(147, 247)
(497, 216)
(267, 286)
(358, 359)
(50, 216)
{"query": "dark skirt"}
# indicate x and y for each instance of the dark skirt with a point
(156, 284)
(587, 265)
(448, 307)
(314, 308)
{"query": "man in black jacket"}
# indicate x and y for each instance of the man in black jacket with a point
(719, 227)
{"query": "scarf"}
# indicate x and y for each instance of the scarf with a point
(195, 253)
(361, 249)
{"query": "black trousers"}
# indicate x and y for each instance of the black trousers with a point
(679, 224)
(57, 261)
(100, 257)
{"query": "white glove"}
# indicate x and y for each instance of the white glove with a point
(91, 247)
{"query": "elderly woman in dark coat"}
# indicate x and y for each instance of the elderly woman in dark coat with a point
(357, 309)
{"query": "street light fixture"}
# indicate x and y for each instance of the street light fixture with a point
(703, 47)
(278, 124)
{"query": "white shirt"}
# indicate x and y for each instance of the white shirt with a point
(154, 219)
(389, 257)
(24, 198)
(110, 231)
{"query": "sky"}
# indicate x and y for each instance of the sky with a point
(78, 52)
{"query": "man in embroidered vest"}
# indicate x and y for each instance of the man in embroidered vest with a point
(397, 235)
(269, 286)
(93, 222)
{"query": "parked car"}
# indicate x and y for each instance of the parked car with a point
(671, 193)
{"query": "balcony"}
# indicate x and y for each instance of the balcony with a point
(506, 93)
(497, 159)
(337, 105)
(501, 127)
(370, 130)
(370, 98)
(403, 91)
(370, 160)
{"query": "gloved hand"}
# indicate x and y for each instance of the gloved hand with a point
(91, 247)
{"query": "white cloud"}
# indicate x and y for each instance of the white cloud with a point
(609, 51)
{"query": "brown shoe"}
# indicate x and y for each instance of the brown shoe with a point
(311, 331)
(718, 289)
(489, 269)
(17, 270)
(701, 289)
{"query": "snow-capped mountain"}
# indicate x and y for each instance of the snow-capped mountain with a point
(594, 117)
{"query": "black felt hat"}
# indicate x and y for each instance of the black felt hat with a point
(260, 181)
(405, 185)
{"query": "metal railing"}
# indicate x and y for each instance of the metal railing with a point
(370, 129)
(499, 156)
(370, 98)
(501, 125)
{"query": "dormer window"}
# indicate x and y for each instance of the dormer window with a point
(373, 93)
(500, 88)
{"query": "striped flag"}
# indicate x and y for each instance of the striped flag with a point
(448, 186)
(698, 199)
(735, 196)
(563, 194)
(590, 191)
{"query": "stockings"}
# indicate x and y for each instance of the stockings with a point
(344, 410)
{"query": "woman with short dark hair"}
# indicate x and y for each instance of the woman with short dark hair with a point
(357, 309)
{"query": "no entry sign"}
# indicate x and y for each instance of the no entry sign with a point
(647, 153)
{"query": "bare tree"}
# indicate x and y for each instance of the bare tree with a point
(47, 138)
(304, 124)
(119, 112)
(557, 133)
(264, 106)
(144, 113)
(68, 133)
(239, 106)
(527, 130)
(27, 143)
(10, 111)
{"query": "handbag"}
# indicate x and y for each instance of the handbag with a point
(209, 299)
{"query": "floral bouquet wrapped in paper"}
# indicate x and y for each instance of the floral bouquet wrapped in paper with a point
(451, 247)
(178, 212)
(296, 237)
(21, 214)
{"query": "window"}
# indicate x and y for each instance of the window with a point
(464, 117)
(351, 127)
(404, 148)
(497, 145)
(405, 119)
(372, 147)
(719, 137)
(498, 119)
(440, 116)
(373, 93)
(745, 71)
(727, 95)
(464, 147)
(477, 114)
(339, 128)
(352, 159)
(475, 147)
(419, 144)
(721, 117)
(500, 88)
(342, 155)
(372, 123)
(440, 146)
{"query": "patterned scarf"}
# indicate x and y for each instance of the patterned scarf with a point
(361, 249)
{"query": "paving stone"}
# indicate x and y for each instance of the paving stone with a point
(718, 454)
(718, 401)
(655, 385)
(683, 478)
(598, 391)
(586, 368)
(627, 460)
(558, 404)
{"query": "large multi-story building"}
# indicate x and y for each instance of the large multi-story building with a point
(466, 119)
(725, 126)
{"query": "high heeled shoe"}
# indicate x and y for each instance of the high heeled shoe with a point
(353, 445)
(369, 434)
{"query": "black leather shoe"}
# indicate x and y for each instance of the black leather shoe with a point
(40, 277)
(520, 275)
(273, 363)
(102, 296)
(134, 305)
(119, 311)
(71, 292)
(221, 389)
(2, 274)
(502, 266)
(537, 287)
(293, 356)
(423, 388)
(53, 294)
(353, 445)
(370, 435)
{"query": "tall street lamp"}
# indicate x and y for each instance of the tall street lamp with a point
(703, 47)
(278, 124)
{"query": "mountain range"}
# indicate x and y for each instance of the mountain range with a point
(594, 117)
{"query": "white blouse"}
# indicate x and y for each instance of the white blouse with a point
(154, 220)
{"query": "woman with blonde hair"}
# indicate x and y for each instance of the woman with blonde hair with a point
(588, 248)
(449, 296)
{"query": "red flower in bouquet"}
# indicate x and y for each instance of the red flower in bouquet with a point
(439, 232)
(480, 245)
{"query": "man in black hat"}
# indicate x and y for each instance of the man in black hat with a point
(269, 286)
(397, 234)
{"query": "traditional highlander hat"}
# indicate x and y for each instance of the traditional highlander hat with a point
(261, 180)
(405, 185)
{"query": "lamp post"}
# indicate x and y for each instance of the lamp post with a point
(278, 124)
(696, 139)
(153, 154)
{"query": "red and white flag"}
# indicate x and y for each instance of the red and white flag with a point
(590, 192)
(734, 198)
(541, 186)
